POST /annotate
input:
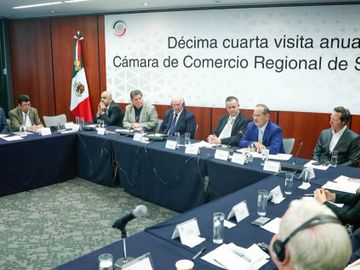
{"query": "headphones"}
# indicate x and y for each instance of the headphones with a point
(279, 246)
(345, 116)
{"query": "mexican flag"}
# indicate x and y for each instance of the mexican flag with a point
(80, 101)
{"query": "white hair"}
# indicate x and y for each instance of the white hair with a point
(321, 247)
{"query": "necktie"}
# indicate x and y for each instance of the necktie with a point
(226, 132)
(172, 126)
(261, 134)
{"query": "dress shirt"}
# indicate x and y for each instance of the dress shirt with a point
(226, 132)
(26, 119)
(261, 133)
(335, 138)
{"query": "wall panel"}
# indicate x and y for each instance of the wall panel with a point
(32, 63)
(62, 32)
(304, 127)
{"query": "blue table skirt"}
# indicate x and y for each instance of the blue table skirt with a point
(36, 162)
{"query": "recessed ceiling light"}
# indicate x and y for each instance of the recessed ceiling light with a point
(39, 5)
(74, 1)
(146, 4)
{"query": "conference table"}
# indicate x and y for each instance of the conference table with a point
(166, 251)
(167, 177)
(36, 161)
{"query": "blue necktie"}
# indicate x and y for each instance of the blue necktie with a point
(172, 126)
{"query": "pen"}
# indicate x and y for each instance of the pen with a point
(308, 194)
(199, 253)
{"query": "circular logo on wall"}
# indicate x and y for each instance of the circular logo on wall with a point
(119, 28)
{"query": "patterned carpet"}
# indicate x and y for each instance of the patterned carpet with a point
(46, 227)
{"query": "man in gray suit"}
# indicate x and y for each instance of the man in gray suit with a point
(338, 138)
(140, 115)
(25, 115)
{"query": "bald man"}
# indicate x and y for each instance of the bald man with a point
(109, 111)
(178, 119)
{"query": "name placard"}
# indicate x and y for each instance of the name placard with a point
(221, 154)
(138, 136)
(240, 211)
(271, 166)
(101, 131)
(191, 149)
(170, 144)
(45, 131)
(238, 158)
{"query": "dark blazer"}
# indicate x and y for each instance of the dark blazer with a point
(348, 147)
(3, 124)
(185, 123)
(114, 117)
(347, 215)
(272, 137)
(237, 131)
(16, 118)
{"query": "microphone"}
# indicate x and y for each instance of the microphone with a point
(297, 153)
(240, 134)
(139, 211)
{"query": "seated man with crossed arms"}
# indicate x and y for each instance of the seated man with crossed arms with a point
(310, 238)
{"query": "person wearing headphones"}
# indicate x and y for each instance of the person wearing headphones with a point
(310, 238)
(178, 119)
(338, 138)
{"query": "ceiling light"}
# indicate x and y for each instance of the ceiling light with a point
(74, 1)
(39, 5)
(145, 4)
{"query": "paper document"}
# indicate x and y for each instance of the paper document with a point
(348, 187)
(203, 144)
(280, 157)
(13, 138)
(318, 167)
(192, 241)
(272, 226)
(231, 256)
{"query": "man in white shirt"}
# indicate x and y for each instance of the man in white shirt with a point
(25, 115)
(232, 126)
(338, 138)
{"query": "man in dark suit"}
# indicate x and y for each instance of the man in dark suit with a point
(178, 119)
(25, 115)
(231, 127)
(3, 124)
(338, 138)
(109, 111)
(262, 133)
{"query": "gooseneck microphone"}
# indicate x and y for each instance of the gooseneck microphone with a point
(139, 211)
(297, 153)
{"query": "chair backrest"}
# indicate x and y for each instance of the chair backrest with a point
(288, 145)
(54, 121)
(158, 125)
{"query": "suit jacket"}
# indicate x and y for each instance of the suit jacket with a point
(347, 215)
(272, 137)
(348, 147)
(114, 117)
(237, 131)
(185, 123)
(3, 124)
(148, 117)
(16, 118)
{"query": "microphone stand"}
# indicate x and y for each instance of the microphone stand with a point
(125, 259)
